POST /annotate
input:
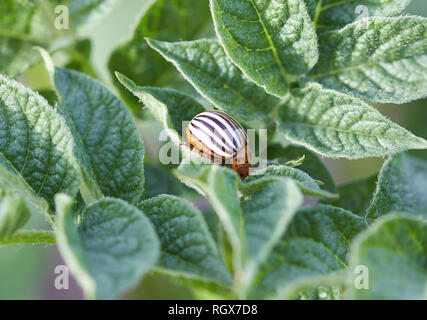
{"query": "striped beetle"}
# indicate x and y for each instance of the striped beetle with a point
(216, 135)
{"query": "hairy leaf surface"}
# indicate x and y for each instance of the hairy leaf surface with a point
(308, 186)
(206, 66)
(110, 250)
(108, 145)
(35, 143)
(377, 59)
(315, 243)
(187, 248)
(168, 106)
(338, 125)
(331, 14)
(220, 186)
(268, 40)
(268, 205)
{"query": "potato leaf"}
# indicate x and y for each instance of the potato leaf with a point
(331, 14)
(377, 59)
(355, 196)
(308, 186)
(401, 187)
(166, 20)
(14, 213)
(187, 248)
(108, 145)
(168, 106)
(394, 252)
(312, 164)
(220, 186)
(268, 40)
(206, 66)
(36, 145)
(268, 204)
(316, 243)
(21, 27)
(338, 125)
(109, 251)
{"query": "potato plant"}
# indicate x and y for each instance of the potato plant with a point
(311, 72)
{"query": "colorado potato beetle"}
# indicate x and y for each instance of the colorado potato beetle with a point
(216, 135)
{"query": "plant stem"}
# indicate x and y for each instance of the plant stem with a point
(317, 14)
(33, 237)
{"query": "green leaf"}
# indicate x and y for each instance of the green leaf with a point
(402, 184)
(13, 185)
(70, 245)
(22, 25)
(29, 237)
(268, 40)
(35, 144)
(108, 145)
(220, 186)
(356, 196)
(160, 181)
(214, 226)
(394, 251)
(15, 56)
(138, 61)
(337, 13)
(308, 186)
(87, 12)
(268, 205)
(188, 249)
(316, 243)
(312, 164)
(338, 125)
(168, 106)
(13, 214)
(377, 59)
(110, 250)
(28, 23)
(205, 65)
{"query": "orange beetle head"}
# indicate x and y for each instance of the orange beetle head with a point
(241, 163)
(242, 170)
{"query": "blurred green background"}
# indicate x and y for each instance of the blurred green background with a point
(27, 272)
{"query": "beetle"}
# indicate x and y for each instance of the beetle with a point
(216, 135)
